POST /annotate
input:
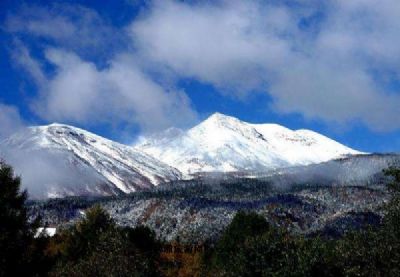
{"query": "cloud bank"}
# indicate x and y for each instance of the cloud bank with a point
(325, 61)
(336, 61)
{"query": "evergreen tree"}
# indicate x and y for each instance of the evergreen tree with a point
(16, 233)
(248, 247)
(96, 246)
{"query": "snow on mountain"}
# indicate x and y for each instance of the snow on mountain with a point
(224, 143)
(59, 160)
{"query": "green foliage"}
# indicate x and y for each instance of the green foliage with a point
(144, 239)
(315, 257)
(243, 226)
(251, 247)
(371, 252)
(95, 246)
(394, 173)
(81, 238)
(113, 255)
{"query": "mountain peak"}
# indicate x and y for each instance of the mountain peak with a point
(219, 120)
(225, 143)
(221, 117)
(78, 162)
(56, 124)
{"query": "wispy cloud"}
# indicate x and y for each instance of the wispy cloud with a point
(10, 120)
(22, 58)
(80, 92)
(71, 26)
(95, 88)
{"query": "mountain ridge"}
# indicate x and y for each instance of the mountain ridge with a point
(101, 166)
(210, 145)
(59, 160)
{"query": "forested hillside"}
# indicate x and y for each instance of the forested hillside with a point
(251, 244)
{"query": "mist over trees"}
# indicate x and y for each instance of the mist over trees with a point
(19, 250)
(249, 246)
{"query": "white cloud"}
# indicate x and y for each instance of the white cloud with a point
(22, 58)
(10, 120)
(80, 92)
(72, 26)
(332, 60)
(324, 70)
(92, 80)
(217, 44)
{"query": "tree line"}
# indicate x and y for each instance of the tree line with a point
(249, 246)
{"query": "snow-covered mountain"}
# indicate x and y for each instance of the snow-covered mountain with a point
(224, 143)
(59, 160)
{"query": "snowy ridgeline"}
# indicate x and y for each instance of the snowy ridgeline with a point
(60, 160)
(225, 144)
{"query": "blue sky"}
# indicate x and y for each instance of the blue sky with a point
(125, 68)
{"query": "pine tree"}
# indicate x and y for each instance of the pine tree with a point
(16, 233)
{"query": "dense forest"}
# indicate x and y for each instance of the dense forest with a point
(249, 246)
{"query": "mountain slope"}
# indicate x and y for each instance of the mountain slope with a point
(59, 160)
(224, 143)
(333, 196)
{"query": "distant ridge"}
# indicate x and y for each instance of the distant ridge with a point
(224, 143)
